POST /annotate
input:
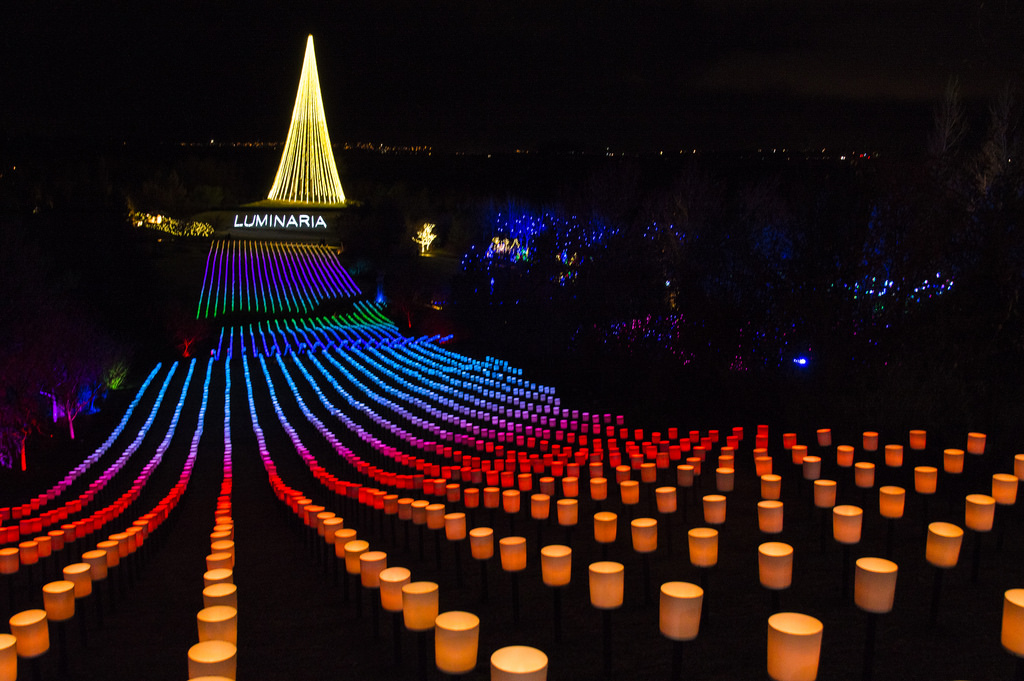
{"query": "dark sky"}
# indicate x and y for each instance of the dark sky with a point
(493, 74)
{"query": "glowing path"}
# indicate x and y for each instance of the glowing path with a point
(270, 278)
(364, 326)
(118, 507)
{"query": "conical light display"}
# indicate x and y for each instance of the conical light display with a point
(307, 173)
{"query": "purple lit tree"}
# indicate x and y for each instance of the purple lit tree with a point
(76, 363)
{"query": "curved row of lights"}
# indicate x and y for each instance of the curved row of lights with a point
(365, 325)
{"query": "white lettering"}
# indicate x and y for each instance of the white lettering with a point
(280, 221)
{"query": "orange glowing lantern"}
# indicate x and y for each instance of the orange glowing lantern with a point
(943, 545)
(513, 553)
(645, 535)
(893, 456)
(456, 641)
(846, 524)
(630, 492)
(352, 551)
(979, 512)
(568, 512)
(32, 633)
(605, 527)
(371, 564)
(607, 584)
(769, 516)
(342, 537)
(666, 499)
(540, 506)
(419, 511)
(864, 474)
(775, 565)
(218, 576)
(214, 658)
(891, 501)
(926, 479)
(455, 526)
(510, 501)
(679, 610)
(435, 516)
(59, 601)
(976, 443)
(794, 646)
(218, 623)
(703, 545)
(1012, 633)
(481, 543)
(220, 594)
(714, 509)
(875, 585)
(725, 479)
(556, 565)
(8, 657)
(81, 575)
(1004, 489)
(953, 461)
(519, 663)
(392, 580)
(571, 486)
(492, 497)
(419, 605)
(824, 493)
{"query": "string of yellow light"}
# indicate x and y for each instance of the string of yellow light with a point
(307, 173)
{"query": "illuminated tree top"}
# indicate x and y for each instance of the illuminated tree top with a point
(307, 173)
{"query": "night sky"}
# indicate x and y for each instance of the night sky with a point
(495, 74)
